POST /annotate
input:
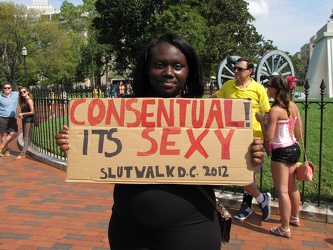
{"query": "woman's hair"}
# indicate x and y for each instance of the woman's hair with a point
(283, 98)
(22, 100)
(194, 85)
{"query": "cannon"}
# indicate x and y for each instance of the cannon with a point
(271, 61)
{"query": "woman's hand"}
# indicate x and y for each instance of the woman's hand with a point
(260, 118)
(268, 148)
(62, 139)
(257, 153)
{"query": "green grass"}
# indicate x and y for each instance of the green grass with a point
(43, 136)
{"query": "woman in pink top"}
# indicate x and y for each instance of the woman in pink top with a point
(282, 133)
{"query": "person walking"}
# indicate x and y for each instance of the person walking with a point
(244, 86)
(165, 216)
(282, 134)
(50, 102)
(26, 104)
(8, 122)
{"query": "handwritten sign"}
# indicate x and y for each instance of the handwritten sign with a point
(156, 140)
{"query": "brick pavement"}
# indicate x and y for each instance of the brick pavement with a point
(40, 210)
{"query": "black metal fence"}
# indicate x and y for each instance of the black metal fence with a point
(52, 110)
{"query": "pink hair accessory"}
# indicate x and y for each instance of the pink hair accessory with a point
(291, 81)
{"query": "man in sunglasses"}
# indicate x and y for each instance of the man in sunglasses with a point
(244, 86)
(8, 123)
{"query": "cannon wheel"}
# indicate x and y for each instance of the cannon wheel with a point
(273, 61)
(225, 72)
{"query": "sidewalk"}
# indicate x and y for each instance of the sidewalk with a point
(40, 210)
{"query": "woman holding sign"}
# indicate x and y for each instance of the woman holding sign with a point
(167, 216)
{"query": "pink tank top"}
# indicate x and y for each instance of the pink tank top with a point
(284, 135)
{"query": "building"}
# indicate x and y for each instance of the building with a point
(44, 6)
(307, 50)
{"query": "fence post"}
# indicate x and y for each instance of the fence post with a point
(306, 107)
(322, 88)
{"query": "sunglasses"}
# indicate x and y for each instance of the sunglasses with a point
(239, 69)
(7, 87)
(23, 92)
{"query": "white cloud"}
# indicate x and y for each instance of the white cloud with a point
(258, 8)
(289, 23)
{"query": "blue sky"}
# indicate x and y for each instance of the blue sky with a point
(289, 23)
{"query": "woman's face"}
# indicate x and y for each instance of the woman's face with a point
(23, 92)
(270, 90)
(168, 70)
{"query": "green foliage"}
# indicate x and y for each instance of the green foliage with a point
(215, 28)
(49, 50)
(184, 21)
(85, 41)
(93, 57)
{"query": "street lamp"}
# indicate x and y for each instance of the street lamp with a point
(24, 54)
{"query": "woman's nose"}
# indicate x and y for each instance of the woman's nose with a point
(169, 71)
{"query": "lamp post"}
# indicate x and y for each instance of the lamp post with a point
(24, 54)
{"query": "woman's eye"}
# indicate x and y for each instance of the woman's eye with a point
(178, 66)
(159, 65)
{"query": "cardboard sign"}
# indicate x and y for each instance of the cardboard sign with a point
(157, 140)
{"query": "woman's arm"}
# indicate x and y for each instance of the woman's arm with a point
(273, 116)
(298, 125)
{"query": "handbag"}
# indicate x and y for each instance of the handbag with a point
(36, 120)
(225, 219)
(304, 170)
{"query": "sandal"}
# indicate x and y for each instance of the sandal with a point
(279, 231)
(19, 157)
(294, 221)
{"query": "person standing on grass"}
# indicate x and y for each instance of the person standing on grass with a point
(281, 136)
(8, 123)
(243, 86)
(27, 115)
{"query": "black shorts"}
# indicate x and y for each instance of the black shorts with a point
(8, 125)
(288, 155)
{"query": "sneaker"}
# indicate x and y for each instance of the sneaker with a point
(243, 212)
(265, 206)
(1, 149)
(7, 153)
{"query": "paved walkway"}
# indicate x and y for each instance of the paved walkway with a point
(40, 210)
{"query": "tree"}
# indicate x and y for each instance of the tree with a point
(14, 25)
(215, 28)
(127, 26)
(93, 57)
(49, 55)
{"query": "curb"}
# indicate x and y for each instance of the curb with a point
(308, 211)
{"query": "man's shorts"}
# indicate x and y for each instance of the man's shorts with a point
(288, 155)
(8, 125)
